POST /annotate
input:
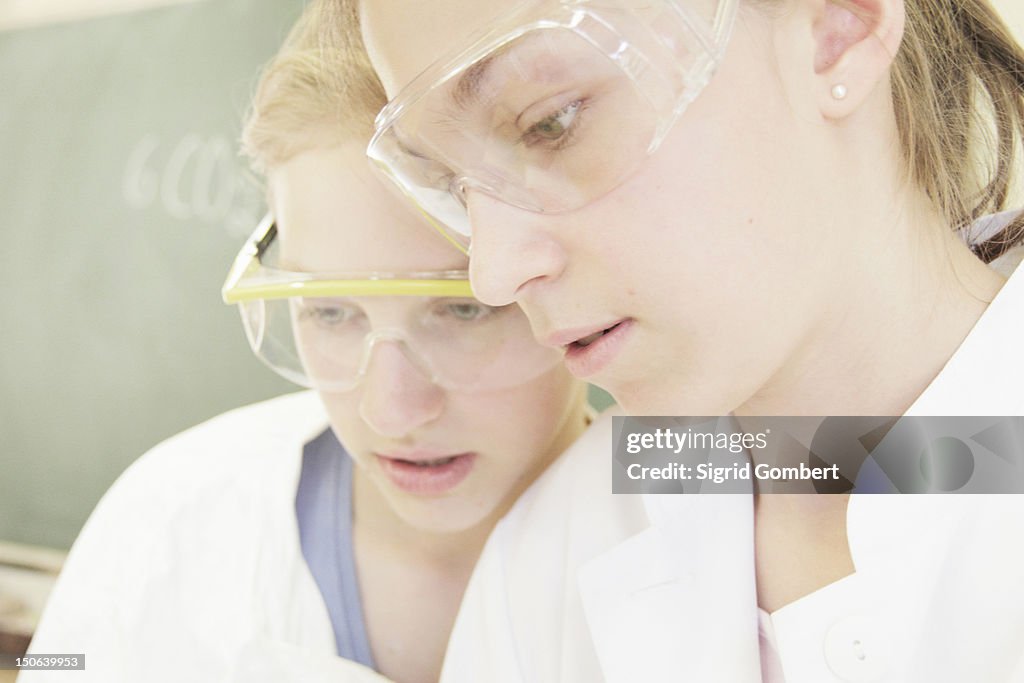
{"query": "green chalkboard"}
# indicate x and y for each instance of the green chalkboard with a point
(122, 203)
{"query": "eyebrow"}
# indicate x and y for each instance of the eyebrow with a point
(467, 89)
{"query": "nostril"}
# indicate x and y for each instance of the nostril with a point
(458, 188)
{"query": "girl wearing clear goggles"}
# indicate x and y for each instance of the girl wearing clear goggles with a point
(735, 206)
(322, 329)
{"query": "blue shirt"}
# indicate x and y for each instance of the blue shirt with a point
(323, 506)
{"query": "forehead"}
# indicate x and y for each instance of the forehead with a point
(404, 37)
(334, 214)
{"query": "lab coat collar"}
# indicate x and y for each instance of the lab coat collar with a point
(985, 375)
(268, 660)
(636, 593)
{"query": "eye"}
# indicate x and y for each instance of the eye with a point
(466, 310)
(330, 315)
(554, 127)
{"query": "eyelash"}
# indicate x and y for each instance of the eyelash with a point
(448, 309)
(320, 314)
(570, 133)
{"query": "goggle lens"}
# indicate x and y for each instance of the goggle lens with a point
(556, 112)
(327, 343)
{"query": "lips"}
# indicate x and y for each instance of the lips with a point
(578, 335)
(426, 473)
(591, 338)
(427, 462)
(589, 352)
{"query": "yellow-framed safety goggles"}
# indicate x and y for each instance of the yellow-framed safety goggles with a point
(251, 278)
(320, 330)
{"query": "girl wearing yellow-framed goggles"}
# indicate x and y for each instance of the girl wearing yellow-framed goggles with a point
(320, 330)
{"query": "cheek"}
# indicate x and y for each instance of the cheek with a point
(343, 414)
(705, 223)
(517, 425)
(506, 420)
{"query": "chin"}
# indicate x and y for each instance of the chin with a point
(644, 399)
(442, 515)
(639, 398)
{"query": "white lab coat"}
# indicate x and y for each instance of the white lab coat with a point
(577, 584)
(190, 568)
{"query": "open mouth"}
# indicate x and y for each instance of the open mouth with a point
(427, 463)
(589, 355)
(427, 475)
(591, 338)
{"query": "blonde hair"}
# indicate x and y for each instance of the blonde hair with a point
(319, 90)
(958, 92)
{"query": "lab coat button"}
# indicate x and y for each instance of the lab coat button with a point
(857, 649)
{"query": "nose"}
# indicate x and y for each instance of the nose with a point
(397, 397)
(511, 251)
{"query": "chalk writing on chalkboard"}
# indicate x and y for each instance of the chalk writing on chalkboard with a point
(193, 178)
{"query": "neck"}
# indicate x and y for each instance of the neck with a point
(893, 322)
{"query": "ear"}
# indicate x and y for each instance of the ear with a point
(855, 43)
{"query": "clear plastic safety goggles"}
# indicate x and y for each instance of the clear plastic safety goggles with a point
(552, 107)
(321, 330)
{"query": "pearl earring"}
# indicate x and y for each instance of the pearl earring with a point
(838, 91)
